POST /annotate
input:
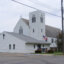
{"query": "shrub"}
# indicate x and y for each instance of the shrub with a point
(50, 51)
(38, 51)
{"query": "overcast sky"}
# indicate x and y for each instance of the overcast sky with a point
(10, 12)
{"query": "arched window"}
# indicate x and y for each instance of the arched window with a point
(33, 19)
(20, 30)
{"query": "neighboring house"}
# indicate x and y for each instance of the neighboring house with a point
(29, 35)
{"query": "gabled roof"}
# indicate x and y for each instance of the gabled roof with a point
(53, 45)
(26, 21)
(50, 31)
(27, 38)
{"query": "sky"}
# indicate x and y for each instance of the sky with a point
(11, 12)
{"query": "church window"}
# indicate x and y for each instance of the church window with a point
(13, 46)
(21, 30)
(9, 46)
(33, 19)
(33, 30)
(41, 19)
(3, 36)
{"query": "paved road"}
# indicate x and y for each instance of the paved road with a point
(30, 59)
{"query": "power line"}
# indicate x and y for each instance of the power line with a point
(44, 5)
(41, 4)
(35, 8)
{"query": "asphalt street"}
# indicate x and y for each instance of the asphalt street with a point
(30, 59)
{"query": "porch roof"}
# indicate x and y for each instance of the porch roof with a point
(38, 43)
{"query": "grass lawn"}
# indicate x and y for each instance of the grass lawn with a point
(55, 53)
(58, 53)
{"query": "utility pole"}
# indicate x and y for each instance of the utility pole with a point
(62, 24)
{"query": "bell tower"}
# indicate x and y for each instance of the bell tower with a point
(37, 24)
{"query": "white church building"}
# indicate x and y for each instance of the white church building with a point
(28, 35)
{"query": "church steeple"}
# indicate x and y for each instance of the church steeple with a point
(37, 24)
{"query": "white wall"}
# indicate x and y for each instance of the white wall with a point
(9, 39)
(20, 46)
(30, 48)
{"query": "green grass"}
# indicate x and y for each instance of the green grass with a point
(42, 53)
(55, 53)
(58, 53)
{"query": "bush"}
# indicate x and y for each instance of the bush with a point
(38, 51)
(50, 51)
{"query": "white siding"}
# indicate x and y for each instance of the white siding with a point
(9, 39)
(30, 48)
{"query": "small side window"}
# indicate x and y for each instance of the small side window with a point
(13, 46)
(52, 40)
(33, 30)
(9, 46)
(20, 30)
(3, 36)
(41, 19)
